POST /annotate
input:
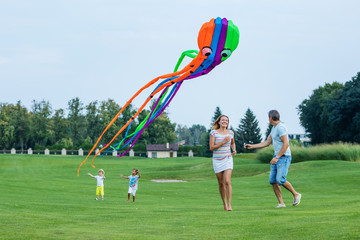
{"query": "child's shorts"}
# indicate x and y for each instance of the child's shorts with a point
(100, 190)
(132, 191)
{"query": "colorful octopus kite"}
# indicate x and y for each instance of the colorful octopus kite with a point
(217, 39)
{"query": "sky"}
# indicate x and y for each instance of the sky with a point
(96, 50)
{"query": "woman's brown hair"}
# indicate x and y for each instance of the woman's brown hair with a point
(216, 124)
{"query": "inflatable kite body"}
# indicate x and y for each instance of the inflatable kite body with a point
(217, 39)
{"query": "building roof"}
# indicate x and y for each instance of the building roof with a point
(161, 147)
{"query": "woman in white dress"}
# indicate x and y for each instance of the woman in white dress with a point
(221, 138)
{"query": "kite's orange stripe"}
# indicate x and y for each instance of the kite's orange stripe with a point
(206, 34)
(186, 68)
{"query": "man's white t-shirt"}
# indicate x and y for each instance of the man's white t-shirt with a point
(100, 181)
(276, 133)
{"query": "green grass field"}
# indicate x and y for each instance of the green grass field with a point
(42, 198)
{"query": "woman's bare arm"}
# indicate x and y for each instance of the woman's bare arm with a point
(214, 146)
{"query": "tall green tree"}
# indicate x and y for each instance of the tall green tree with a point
(126, 115)
(107, 111)
(196, 131)
(268, 130)
(192, 135)
(315, 113)
(217, 114)
(344, 112)
(183, 133)
(40, 128)
(144, 138)
(22, 125)
(248, 131)
(76, 119)
(162, 130)
(207, 151)
(7, 131)
(93, 123)
(59, 125)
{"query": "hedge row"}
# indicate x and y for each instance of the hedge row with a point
(336, 151)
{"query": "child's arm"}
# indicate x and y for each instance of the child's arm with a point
(104, 177)
(139, 174)
(90, 175)
(123, 176)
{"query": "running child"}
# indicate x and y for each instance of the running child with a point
(133, 183)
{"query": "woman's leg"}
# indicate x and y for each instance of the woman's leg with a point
(220, 178)
(228, 188)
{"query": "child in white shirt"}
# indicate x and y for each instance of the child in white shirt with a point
(133, 183)
(100, 184)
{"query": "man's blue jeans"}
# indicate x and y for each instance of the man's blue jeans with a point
(279, 170)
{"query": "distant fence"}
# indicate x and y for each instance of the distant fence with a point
(82, 152)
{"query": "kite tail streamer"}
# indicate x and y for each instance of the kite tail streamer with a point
(138, 135)
(182, 77)
(156, 107)
(140, 109)
(127, 103)
(149, 122)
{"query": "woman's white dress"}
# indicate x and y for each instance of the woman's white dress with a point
(222, 158)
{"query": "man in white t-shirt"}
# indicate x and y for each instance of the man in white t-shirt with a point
(281, 159)
(133, 183)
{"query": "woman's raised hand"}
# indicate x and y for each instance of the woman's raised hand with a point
(226, 139)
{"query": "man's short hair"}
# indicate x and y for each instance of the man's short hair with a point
(275, 115)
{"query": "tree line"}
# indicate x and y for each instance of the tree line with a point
(332, 112)
(79, 126)
(44, 127)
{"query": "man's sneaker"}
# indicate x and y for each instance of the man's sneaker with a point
(297, 200)
(280, 205)
(96, 199)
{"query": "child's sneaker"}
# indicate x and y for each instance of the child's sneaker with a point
(102, 199)
(96, 199)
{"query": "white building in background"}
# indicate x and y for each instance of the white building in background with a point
(303, 138)
(161, 150)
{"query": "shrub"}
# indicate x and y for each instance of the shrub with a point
(139, 147)
(63, 143)
(335, 151)
(39, 147)
(295, 143)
